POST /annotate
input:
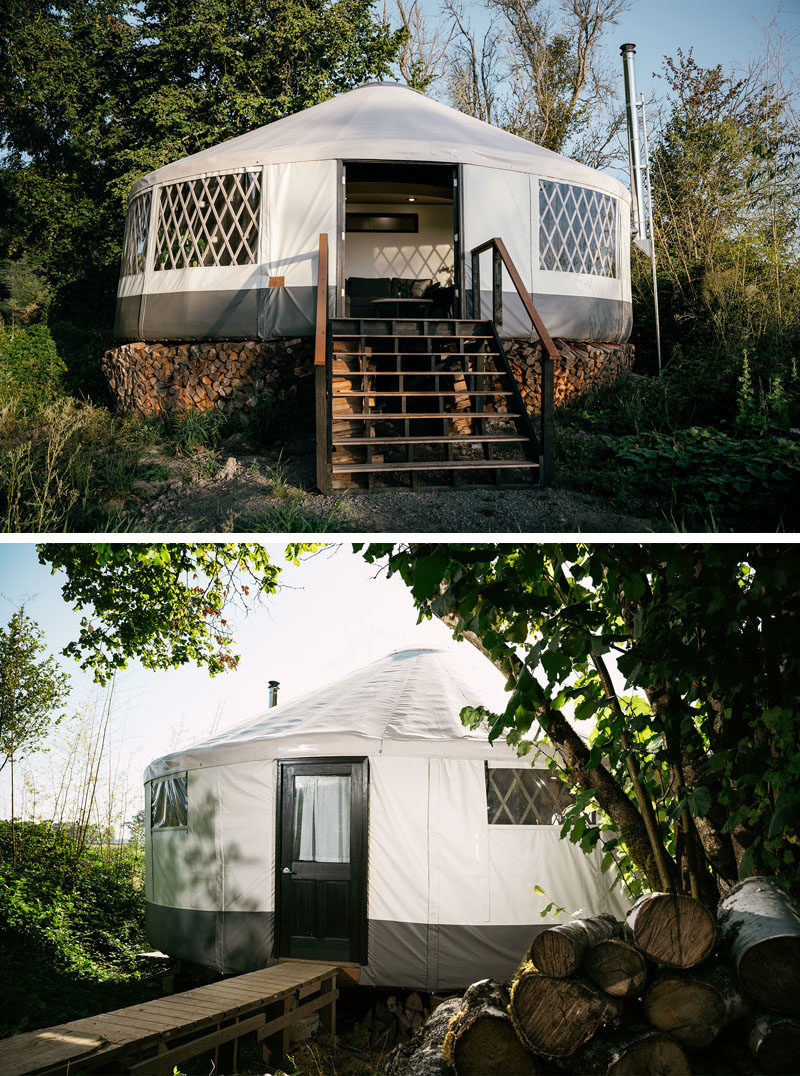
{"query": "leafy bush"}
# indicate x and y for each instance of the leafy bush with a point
(709, 474)
(70, 927)
(31, 372)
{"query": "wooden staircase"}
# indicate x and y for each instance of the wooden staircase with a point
(415, 400)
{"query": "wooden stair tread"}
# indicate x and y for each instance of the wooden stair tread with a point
(435, 465)
(459, 439)
(391, 416)
(429, 395)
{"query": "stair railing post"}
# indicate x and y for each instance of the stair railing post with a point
(497, 288)
(547, 434)
(476, 287)
(322, 376)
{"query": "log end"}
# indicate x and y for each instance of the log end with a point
(490, 1047)
(770, 972)
(692, 1012)
(673, 929)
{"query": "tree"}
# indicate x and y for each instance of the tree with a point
(98, 92)
(686, 661)
(32, 689)
(726, 170)
(164, 604)
(536, 71)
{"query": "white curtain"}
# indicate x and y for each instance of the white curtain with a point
(321, 819)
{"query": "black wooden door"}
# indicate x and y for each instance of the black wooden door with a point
(321, 860)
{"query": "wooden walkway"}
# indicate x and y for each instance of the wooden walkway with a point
(157, 1035)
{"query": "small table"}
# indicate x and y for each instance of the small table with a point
(401, 305)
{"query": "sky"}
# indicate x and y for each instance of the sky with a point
(333, 614)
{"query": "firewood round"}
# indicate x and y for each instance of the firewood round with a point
(759, 925)
(559, 950)
(632, 1051)
(672, 929)
(774, 1042)
(617, 968)
(556, 1016)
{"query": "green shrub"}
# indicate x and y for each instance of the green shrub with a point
(70, 927)
(31, 372)
(702, 473)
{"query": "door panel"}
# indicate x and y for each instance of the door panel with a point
(321, 860)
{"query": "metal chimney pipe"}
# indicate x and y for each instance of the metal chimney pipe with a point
(637, 187)
(273, 693)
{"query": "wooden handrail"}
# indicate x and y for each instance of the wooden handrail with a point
(322, 300)
(322, 371)
(500, 258)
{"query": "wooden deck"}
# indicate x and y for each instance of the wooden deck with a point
(156, 1035)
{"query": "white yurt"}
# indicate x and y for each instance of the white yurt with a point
(364, 825)
(224, 244)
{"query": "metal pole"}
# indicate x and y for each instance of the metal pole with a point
(652, 236)
(628, 51)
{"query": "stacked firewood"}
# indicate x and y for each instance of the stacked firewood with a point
(580, 367)
(228, 375)
(674, 989)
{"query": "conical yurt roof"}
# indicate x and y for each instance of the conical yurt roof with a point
(407, 703)
(382, 121)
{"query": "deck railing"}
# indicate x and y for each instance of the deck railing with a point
(321, 372)
(500, 258)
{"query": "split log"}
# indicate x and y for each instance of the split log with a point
(632, 1051)
(481, 1040)
(617, 968)
(694, 1006)
(774, 1042)
(557, 1016)
(759, 925)
(560, 950)
(672, 928)
(422, 1056)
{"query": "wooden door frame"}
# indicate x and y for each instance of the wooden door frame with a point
(359, 817)
(458, 227)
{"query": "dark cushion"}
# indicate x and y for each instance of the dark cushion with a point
(369, 287)
(409, 288)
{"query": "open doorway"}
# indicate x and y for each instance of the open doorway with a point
(399, 239)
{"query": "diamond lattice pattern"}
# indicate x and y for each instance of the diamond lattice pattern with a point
(577, 229)
(525, 797)
(209, 221)
(137, 224)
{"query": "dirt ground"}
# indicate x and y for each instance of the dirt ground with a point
(235, 490)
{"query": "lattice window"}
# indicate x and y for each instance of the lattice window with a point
(577, 229)
(209, 221)
(137, 225)
(525, 797)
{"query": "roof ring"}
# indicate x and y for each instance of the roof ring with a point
(399, 85)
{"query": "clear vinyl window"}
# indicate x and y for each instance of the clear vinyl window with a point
(137, 225)
(169, 802)
(209, 221)
(577, 229)
(525, 797)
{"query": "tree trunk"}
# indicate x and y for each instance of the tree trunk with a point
(560, 950)
(617, 968)
(774, 1042)
(759, 925)
(694, 1006)
(634, 1050)
(672, 928)
(557, 1016)
(422, 1056)
(481, 1040)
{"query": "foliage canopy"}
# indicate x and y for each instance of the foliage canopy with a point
(693, 750)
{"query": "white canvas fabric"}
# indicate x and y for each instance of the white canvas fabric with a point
(382, 121)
